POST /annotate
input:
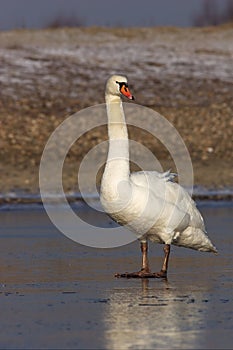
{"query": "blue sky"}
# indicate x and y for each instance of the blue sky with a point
(38, 13)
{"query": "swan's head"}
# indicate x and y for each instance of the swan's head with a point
(117, 85)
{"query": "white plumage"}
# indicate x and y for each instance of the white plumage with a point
(148, 203)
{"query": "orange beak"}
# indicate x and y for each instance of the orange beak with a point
(125, 91)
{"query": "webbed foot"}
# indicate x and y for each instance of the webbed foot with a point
(142, 274)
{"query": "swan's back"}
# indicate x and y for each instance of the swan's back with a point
(182, 223)
(164, 187)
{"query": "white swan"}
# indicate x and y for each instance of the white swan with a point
(148, 203)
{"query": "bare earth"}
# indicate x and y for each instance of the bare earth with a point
(47, 75)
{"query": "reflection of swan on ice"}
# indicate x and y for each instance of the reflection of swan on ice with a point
(148, 202)
(151, 319)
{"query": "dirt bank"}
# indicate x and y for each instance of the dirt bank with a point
(184, 74)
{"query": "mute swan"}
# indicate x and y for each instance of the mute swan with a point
(149, 203)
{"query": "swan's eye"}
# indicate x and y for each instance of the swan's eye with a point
(122, 85)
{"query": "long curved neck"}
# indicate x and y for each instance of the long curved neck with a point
(117, 128)
(117, 166)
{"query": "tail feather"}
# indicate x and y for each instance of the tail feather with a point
(195, 238)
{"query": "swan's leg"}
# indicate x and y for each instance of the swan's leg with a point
(163, 271)
(145, 261)
(145, 270)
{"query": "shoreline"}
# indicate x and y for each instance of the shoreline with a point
(199, 194)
